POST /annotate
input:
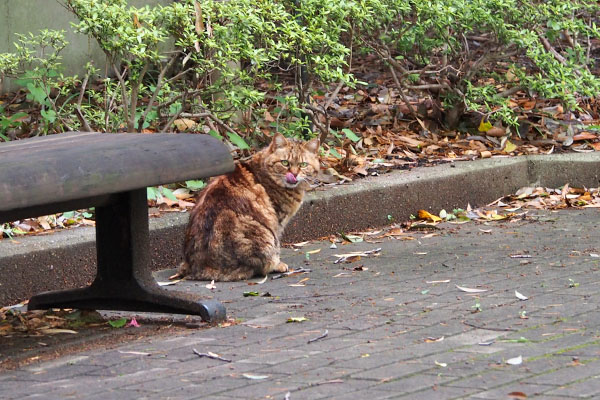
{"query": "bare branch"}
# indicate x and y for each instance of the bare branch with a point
(401, 90)
(176, 115)
(333, 95)
(548, 46)
(511, 91)
(159, 86)
(135, 88)
(123, 90)
(312, 112)
(85, 126)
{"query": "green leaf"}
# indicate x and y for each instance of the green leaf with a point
(519, 340)
(37, 94)
(351, 238)
(335, 153)
(296, 319)
(152, 193)
(195, 184)
(49, 115)
(238, 140)
(350, 135)
(215, 134)
(17, 116)
(118, 323)
(168, 193)
(251, 294)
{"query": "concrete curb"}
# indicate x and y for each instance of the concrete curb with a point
(66, 259)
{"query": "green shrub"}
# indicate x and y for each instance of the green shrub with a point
(449, 49)
(225, 62)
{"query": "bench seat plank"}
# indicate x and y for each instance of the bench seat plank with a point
(71, 166)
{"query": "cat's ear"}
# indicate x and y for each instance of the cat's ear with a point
(278, 141)
(312, 145)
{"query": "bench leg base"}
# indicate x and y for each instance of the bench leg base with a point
(129, 299)
(123, 279)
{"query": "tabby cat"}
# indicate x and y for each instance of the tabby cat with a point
(234, 230)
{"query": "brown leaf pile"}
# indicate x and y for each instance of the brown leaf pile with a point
(46, 322)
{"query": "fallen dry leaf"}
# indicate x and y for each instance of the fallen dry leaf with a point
(515, 361)
(184, 124)
(470, 290)
(517, 395)
(520, 296)
(211, 285)
(426, 215)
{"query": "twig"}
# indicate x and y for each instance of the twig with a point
(333, 95)
(109, 104)
(211, 356)
(312, 112)
(123, 91)
(300, 270)
(324, 335)
(510, 92)
(84, 124)
(411, 109)
(159, 86)
(555, 53)
(176, 115)
(194, 115)
(218, 121)
(192, 94)
(135, 88)
(489, 329)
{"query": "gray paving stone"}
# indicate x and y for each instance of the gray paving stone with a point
(531, 390)
(439, 393)
(414, 383)
(487, 379)
(378, 322)
(567, 374)
(328, 389)
(587, 388)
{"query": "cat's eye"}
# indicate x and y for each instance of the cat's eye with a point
(303, 164)
(285, 163)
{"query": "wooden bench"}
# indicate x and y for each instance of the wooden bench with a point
(109, 171)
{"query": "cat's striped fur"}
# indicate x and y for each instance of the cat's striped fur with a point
(234, 229)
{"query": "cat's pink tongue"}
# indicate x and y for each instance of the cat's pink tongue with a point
(290, 178)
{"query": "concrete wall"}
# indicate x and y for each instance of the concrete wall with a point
(24, 16)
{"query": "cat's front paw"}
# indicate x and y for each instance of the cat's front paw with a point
(281, 267)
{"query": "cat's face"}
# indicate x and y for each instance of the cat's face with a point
(290, 162)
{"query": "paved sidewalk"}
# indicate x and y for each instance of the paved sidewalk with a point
(384, 322)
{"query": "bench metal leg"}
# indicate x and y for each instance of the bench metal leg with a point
(124, 280)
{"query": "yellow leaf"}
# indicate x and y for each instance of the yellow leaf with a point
(509, 147)
(184, 124)
(136, 21)
(484, 126)
(427, 215)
